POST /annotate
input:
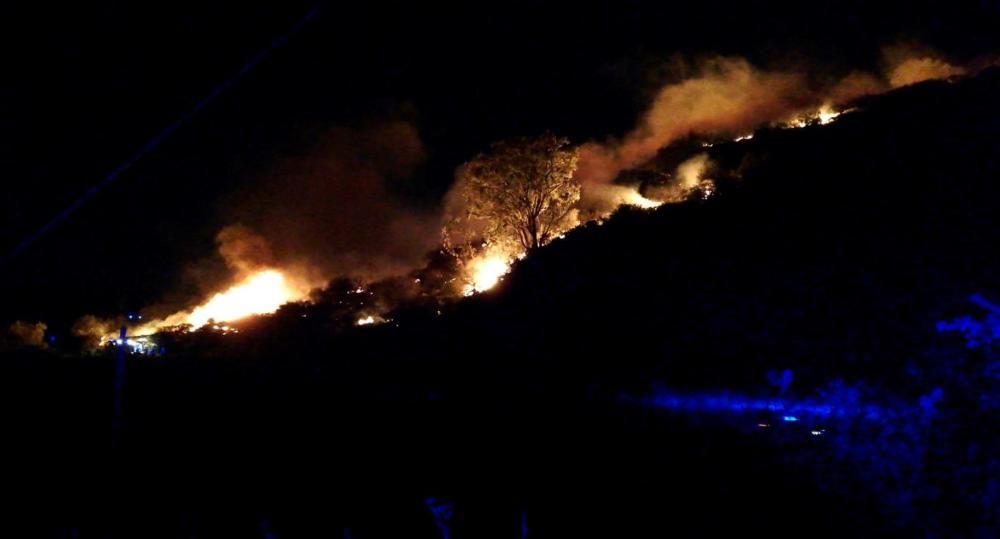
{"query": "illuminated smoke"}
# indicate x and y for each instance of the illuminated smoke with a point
(726, 96)
(910, 63)
(634, 198)
(916, 70)
(329, 212)
(335, 210)
(600, 200)
(689, 178)
(28, 333)
(856, 84)
(730, 97)
(690, 173)
(92, 330)
(243, 250)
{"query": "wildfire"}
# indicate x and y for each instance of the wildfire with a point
(707, 188)
(485, 272)
(824, 116)
(265, 291)
(371, 320)
(633, 198)
(261, 293)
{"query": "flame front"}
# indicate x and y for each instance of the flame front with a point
(823, 116)
(261, 293)
(633, 198)
(485, 272)
(826, 114)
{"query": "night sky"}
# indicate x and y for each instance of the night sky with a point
(85, 88)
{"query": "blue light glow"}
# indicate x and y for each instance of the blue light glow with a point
(790, 410)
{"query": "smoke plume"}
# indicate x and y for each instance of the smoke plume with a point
(856, 84)
(726, 96)
(243, 250)
(333, 211)
(909, 63)
(91, 329)
(28, 333)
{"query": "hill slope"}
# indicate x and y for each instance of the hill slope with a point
(829, 251)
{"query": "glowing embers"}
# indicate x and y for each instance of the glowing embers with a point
(824, 116)
(634, 198)
(484, 272)
(371, 320)
(705, 189)
(827, 115)
(261, 293)
(223, 329)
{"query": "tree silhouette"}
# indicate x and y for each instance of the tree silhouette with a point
(522, 191)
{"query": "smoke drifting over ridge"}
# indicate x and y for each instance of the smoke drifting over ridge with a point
(728, 96)
(329, 212)
(333, 210)
(910, 63)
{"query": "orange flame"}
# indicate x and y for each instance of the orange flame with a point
(485, 272)
(633, 198)
(261, 293)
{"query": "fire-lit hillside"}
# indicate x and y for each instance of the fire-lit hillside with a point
(813, 279)
(503, 270)
(792, 194)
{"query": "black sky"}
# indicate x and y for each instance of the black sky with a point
(85, 88)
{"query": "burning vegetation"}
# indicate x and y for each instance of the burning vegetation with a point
(519, 196)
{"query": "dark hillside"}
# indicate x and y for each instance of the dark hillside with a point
(830, 251)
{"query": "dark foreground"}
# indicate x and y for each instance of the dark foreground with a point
(616, 384)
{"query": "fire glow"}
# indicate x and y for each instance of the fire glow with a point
(265, 291)
(825, 115)
(261, 293)
(485, 272)
(634, 198)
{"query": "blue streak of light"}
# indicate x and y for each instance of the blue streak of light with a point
(791, 410)
(163, 135)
